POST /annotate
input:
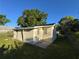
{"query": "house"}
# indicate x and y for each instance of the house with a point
(41, 36)
(36, 34)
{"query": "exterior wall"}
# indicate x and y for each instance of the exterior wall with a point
(6, 30)
(40, 33)
(50, 34)
(53, 33)
(36, 34)
(18, 35)
(28, 35)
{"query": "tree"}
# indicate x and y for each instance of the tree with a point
(68, 27)
(32, 17)
(68, 24)
(3, 20)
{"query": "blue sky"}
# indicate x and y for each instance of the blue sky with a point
(56, 9)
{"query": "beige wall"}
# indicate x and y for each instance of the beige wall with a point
(17, 35)
(36, 34)
(28, 35)
(50, 35)
(6, 30)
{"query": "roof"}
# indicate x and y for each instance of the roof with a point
(39, 26)
(21, 28)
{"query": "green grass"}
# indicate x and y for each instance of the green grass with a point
(60, 49)
(10, 43)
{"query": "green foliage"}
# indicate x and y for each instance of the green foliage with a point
(66, 19)
(32, 17)
(68, 24)
(14, 49)
(68, 29)
(10, 43)
(58, 50)
(6, 39)
(3, 20)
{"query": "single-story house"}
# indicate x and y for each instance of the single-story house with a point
(41, 36)
(35, 34)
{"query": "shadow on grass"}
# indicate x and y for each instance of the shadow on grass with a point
(58, 50)
(26, 51)
(3, 51)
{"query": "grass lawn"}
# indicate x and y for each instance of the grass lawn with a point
(9, 43)
(60, 49)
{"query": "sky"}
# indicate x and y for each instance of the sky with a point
(56, 9)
